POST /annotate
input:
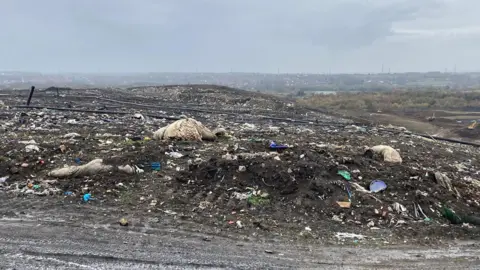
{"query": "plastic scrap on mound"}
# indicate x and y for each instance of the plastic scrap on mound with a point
(388, 153)
(377, 186)
(184, 129)
(95, 166)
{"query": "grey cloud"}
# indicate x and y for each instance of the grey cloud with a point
(217, 35)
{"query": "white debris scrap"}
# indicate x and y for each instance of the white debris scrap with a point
(387, 152)
(72, 135)
(174, 154)
(95, 166)
(342, 235)
(28, 142)
(31, 148)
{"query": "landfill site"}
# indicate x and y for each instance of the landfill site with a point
(184, 176)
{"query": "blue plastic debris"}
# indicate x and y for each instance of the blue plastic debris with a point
(377, 186)
(78, 160)
(156, 166)
(68, 193)
(274, 145)
(87, 197)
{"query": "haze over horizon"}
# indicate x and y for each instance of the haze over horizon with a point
(307, 36)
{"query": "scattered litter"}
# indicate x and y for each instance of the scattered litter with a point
(62, 148)
(31, 142)
(123, 222)
(241, 196)
(156, 166)
(184, 129)
(87, 197)
(360, 188)
(248, 126)
(443, 180)
(238, 178)
(400, 209)
(377, 186)
(455, 218)
(343, 235)
(72, 135)
(139, 116)
(32, 148)
(344, 204)
(345, 174)
(205, 205)
(337, 218)
(94, 167)
(4, 179)
(239, 224)
(275, 146)
(170, 212)
(387, 152)
(421, 211)
(174, 154)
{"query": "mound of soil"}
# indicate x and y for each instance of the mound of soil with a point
(236, 184)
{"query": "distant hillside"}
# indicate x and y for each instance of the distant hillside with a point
(285, 83)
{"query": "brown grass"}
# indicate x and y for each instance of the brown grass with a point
(410, 124)
(396, 100)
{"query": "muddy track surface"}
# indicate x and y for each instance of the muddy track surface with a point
(221, 203)
(37, 244)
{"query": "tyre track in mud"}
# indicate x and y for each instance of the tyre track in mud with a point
(40, 236)
(28, 244)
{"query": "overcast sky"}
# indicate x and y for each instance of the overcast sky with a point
(313, 36)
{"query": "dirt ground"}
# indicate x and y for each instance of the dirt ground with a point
(451, 124)
(235, 186)
(57, 244)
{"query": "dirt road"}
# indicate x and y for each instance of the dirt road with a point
(37, 244)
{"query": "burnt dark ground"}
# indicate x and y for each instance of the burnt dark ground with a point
(196, 197)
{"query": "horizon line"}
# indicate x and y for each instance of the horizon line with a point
(236, 72)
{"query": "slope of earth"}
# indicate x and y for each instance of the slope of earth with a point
(235, 186)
